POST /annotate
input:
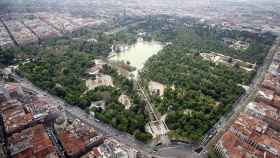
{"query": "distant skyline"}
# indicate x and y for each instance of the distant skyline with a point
(171, 6)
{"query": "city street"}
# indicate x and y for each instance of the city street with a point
(58, 147)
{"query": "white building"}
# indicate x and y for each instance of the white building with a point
(124, 99)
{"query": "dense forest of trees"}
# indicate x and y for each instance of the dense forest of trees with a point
(204, 91)
(59, 68)
(59, 73)
(196, 37)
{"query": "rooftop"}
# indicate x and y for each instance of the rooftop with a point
(31, 142)
(270, 81)
(96, 67)
(265, 95)
(76, 137)
(249, 125)
(39, 105)
(257, 131)
(14, 115)
(276, 102)
(264, 110)
(14, 89)
(156, 88)
(95, 152)
(233, 147)
(125, 100)
(101, 80)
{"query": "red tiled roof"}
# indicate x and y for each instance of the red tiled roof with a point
(258, 131)
(14, 115)
(71, 144)
(249, 125)
(40, 146)
(269, 81)
(236, 148)
(76, 136)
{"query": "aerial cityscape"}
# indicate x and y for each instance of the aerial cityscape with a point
(139, 79)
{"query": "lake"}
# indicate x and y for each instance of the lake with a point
(138, 53)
